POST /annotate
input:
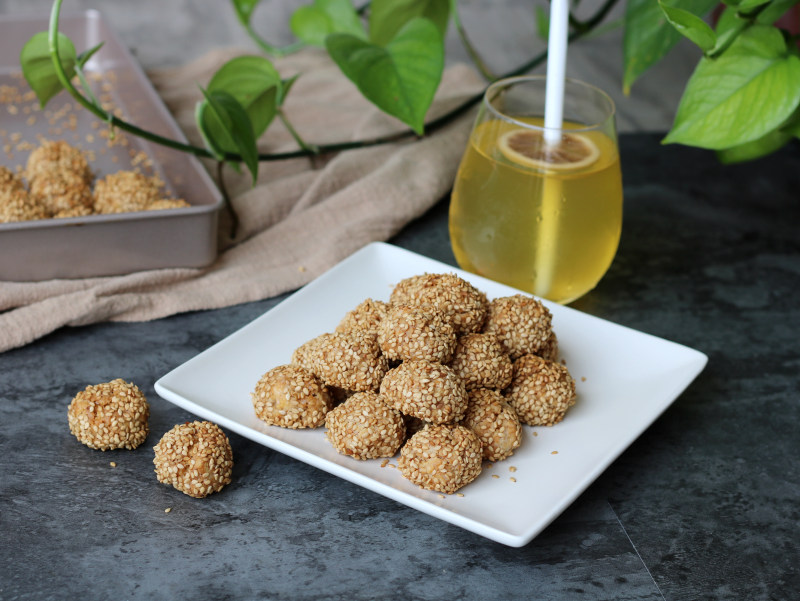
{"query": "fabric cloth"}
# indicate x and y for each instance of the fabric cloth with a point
(302, 216)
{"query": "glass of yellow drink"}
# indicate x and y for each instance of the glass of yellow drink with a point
(539, 211)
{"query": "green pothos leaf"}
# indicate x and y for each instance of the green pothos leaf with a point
(37, 65)
(226, 128)
(400, 78)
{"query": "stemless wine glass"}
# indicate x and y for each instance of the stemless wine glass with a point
(539, 216)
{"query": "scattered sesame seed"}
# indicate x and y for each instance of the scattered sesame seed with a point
(511, 468)
(168, 509)
(495, 476)
(513, 479)
(459, 494)
(554, 452)
(113, 463)
(301, 269)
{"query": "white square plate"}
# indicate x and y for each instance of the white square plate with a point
(625, 380)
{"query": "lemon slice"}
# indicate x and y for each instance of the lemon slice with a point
(527, 147)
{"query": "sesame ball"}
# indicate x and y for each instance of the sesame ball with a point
(195, 458)
(57, 157)
(167, 203)
(550, 349)
(427, 390)
(346, 360)
(292, 397)
(112, 415)
(408, 333)
(17, 205)
(442, 458)
(541, 391)
(78, 211)
(366, 317)
(9, 181)
(463, 305)
(494, 422)
(364, 427)
(481, 362)
(126, 191)
(521, 323)
(61, 191)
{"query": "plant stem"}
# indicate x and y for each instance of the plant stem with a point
(313, 148)
(480, 64)
(227, 199)
(743, 22)
(306, 149)
(269, 48)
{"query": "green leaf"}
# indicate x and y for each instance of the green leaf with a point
(37, 65)
(742, 95)
(727, 21)
(542, 23)
(226, 128)
(400, 78)
(313, 23)
(690, 26)
(387, 17)
(648, 37)
(749, 151)
(254, 82)
(746, 5)
(244, 10)
(774, 11)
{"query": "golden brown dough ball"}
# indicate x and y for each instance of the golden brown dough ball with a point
(291, 397)
(351, 360)
(195, 458)
(443, 458)
(541, 391)
(167, 203)
(63, 191)
(9, 182)
(463, 305)
(126, 191)
(550, 349)
(365, 318)
(57, 157)
(427, 390)
(521, 323)
(17, 205)
(481, 362)
(112, 415)
(364, 427)
(494, 422)
(408, 333)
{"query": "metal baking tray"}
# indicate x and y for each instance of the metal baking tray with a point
(100, 245)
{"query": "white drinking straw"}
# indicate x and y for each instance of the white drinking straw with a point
(553, 122)
(556, 71)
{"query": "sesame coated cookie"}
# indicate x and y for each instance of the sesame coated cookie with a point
(111, 415)
(541, 391)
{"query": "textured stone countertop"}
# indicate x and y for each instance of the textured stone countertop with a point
(703, 505)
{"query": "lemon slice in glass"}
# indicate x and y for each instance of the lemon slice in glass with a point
(527, 147)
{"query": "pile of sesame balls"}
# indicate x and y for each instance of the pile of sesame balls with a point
(439, 373)
(195, 458)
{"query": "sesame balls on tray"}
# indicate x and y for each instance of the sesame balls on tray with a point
(292, 397)
(481, 362)
(494, 422)
(17, 205)
(442, 458)
(195, 458)
(57, 157)
(463, 305)
(350, 360)
(364, 427)
(521, 323)
(541, 391)
(111, 415)
(410, 333)
(427, 390)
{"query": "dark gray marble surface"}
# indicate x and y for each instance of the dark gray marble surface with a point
(704, 505)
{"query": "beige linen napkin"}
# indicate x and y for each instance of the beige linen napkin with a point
(301, 217)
